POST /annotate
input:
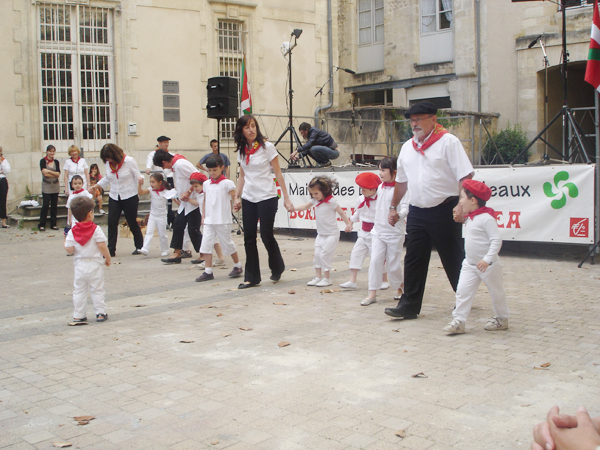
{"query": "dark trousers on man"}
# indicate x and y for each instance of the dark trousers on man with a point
(129, 207)
(427, 227)
(50, 201)
(3, 196)
(193, 220)
(265, 212)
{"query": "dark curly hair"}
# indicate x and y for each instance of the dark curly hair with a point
(238, 134)
(324, 184)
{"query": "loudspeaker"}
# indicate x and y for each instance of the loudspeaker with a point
(219, 87)
(222, 107)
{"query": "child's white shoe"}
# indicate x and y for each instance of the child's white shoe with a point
(367, 301)
(219, 263)
(496, 323)
(101, 211)
(313, 282)
(385, 285)
(455, 327)
(324, 283)
(144, 252)
(348, 285)
(165, 253)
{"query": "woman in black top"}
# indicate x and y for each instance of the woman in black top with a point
(50, 168)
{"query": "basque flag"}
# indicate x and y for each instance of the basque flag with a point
(246, 100)
(592, 71)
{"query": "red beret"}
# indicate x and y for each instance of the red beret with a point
(368, 180)
(198, 177)
(478, 189)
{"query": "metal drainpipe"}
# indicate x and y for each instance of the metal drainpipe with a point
(478, 37)
(330, 71)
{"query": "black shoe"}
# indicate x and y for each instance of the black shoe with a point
(41, 228)
(136, 252)
(112, 253)
(399, 312)
(101, 317)
(55, 228)
(275, 278)
(196, 261)
(247, 285)
(205, 277)
(84, 319)
(327, 164)
(185, 254)
(171, 260)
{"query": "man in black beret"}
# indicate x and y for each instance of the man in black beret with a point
(431, 167)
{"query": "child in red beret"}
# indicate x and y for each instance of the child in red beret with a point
(481, 263)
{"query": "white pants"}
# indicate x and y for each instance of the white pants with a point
(360, 251)
(386, 249)
(470, 278)
(324, 249)
(89, 277)
(161, 226)
(209, 238)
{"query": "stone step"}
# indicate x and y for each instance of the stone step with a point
(18, 220)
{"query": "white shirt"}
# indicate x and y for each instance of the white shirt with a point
(434, 176)
(258, 174)
(217, 201)
(199, 197)
(90, 249)
(4, 168)
(126, 186)
(364, 214)
(150, 165)
(182, 171)
(382, 209)
(326, 217)
(83, 193)
(79, 168)
(482, 239)
(158, 203)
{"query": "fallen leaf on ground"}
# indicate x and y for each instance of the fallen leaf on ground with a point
(292, 292)
(138, 306)
(219, 315)
(523, 406)
(19, 318)
(62, 444)
(298, 253)
(397, 331)
(546, 365)
(77, 324)
(225, 334)
(293, 270)
(419, 375)
(187, 342)
(245, 328)
(329, 291)
(280, 303)
(284, 344)
(401, 434)
(208, 306)
(214, 442)
(80, 418)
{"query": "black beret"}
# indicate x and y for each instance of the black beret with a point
(421, 108)
(163, 138)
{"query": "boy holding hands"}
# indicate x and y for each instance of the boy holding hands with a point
(88, 242)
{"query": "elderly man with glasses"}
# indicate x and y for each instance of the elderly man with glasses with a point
(432, 167)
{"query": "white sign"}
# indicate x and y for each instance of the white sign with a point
(539, 204)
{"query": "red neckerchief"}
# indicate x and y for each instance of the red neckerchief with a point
(162, 188)
(177, 157)
(218, 180)
(367, 226)
(78, 191)
(325, 200)
(115, 169)
(251, 151)
(83, 232)
(389, 185)
(482, 210)
(49, 161)
(367, 201)
(436, 135)
(76, 162)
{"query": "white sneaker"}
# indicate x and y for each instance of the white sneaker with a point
(367, 301)
(385, 285)
(165, 253)
(101, 211)
(348, 285)
(144, 252)
(496, 323)
(219, 263)
(314, 281)
(455, 327)
(324, 283)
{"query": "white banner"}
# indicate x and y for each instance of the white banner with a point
(539, 204)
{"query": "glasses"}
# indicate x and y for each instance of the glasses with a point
(419, 120)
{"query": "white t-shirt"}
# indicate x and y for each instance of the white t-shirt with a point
(182, 171)
(150, 165)
(158, 203)
(195, 196)
(5, 169)
(90, 249)
(326, 217)
(482, 239)
(126, 185)
(79, 168)
(434, 176)
(84, 193)
(258, 174)
(217, 201)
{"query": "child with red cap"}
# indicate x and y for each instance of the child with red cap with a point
(481, 263)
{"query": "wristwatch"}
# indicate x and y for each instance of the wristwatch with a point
(393, 207)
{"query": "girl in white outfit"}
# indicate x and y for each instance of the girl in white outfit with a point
(328, 234)
(160, 193)
(387, 239)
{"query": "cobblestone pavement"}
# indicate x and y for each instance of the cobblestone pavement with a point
(344, 382)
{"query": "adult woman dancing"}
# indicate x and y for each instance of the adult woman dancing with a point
(122, 174)
(4, 170)
(256, 187)
(50, 168)
(75, 165)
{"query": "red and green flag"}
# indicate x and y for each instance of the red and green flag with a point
(246, 100)
(592, 71)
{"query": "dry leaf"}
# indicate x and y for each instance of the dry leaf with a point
(401, 434)
(208, 306)
(279, 303)
(523, 406)
(225, 334)
(214, 442)
(219, 315)
(187, 342)
(396, 331)
(245, 328)
(77, 324)
(83, 422)
(292, 292)
(419, 375)
(84, 418)
(284, 344)
(327, 291)
(19, 318)
(138, 306)
(293, 270)
(546, 365)
(62, 444)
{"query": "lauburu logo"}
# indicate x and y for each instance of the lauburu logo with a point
(562, 190)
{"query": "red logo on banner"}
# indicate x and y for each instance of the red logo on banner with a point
(579, 227)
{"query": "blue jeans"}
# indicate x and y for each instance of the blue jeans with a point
(322, 154)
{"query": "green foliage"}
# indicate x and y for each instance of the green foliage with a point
(510, 142)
